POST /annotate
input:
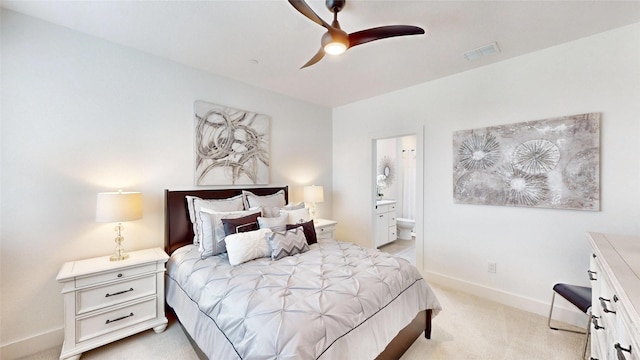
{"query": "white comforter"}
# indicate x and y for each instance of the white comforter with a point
(302, 306)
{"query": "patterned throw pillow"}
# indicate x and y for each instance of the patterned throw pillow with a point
(309, 231)
(287, 243)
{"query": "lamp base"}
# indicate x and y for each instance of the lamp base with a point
(120, 254)
(119, 257)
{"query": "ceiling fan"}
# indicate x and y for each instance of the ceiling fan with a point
(336, 41)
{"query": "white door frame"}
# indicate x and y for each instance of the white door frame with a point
(420, 136)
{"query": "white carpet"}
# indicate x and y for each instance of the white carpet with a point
(467, 328)
(473, 328)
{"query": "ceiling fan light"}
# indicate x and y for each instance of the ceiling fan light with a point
(335, 48)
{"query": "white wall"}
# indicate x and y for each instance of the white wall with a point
(80, 116)
(533, 248)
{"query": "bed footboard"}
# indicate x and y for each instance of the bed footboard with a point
(407, 336)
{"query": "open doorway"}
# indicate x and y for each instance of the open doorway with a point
(396, 196)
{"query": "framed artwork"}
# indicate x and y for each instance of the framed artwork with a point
(552, 163)
(231, 146)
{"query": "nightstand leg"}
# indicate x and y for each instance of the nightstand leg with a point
(160, 328)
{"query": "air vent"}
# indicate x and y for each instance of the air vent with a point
(482, 51)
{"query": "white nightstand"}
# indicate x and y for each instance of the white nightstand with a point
(105, 301)
(325, 229)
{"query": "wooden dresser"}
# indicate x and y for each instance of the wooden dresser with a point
(615, 280)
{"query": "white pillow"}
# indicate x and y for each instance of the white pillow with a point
(242, 247)
(270, 204)
(297, 216)
(213, 231)
(274, 223)
(194, 204)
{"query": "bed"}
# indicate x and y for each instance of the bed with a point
(334, 301)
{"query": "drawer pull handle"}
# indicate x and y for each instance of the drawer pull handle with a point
(603, 302)
(591, 273)
(620, 349)
(118, 319)
(594, 320)
(120, 275)
(118, 293)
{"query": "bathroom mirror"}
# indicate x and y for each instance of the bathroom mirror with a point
(386, 168)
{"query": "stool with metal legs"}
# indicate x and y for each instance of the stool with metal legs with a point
(580, 296)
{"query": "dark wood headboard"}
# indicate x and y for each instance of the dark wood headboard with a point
(178, 231)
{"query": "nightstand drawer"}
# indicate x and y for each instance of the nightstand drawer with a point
(101, 297)
(325, 232)
(108, 322)
(114, 275)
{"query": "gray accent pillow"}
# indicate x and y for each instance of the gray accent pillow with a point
(195, 204)
(270, 204)
(287, 243)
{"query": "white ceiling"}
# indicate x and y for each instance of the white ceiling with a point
(228, 37)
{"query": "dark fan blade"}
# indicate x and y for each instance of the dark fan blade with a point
(382, 32)
(317, 57)
(305, 10)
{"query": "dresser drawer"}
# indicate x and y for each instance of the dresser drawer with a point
(115, 293)
(382, 209)
(114, 275)
(108, 322)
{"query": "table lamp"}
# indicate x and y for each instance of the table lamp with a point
(118, 207)
(313, 194)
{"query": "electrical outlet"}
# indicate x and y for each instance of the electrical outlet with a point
(491, 267)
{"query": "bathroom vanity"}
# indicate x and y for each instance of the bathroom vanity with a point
(385, 222)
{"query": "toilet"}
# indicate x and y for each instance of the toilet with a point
(405, 227)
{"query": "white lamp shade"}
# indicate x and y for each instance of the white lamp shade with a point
(313, 194)
(118, 206)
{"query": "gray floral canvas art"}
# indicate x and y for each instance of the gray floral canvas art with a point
(231, 146)
(551, 163)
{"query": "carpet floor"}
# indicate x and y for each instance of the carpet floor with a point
(468, 328)
(472, 328)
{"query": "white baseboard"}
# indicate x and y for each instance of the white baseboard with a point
(32, 345)
(563, 310)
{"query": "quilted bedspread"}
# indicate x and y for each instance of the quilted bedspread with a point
(298, 306)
